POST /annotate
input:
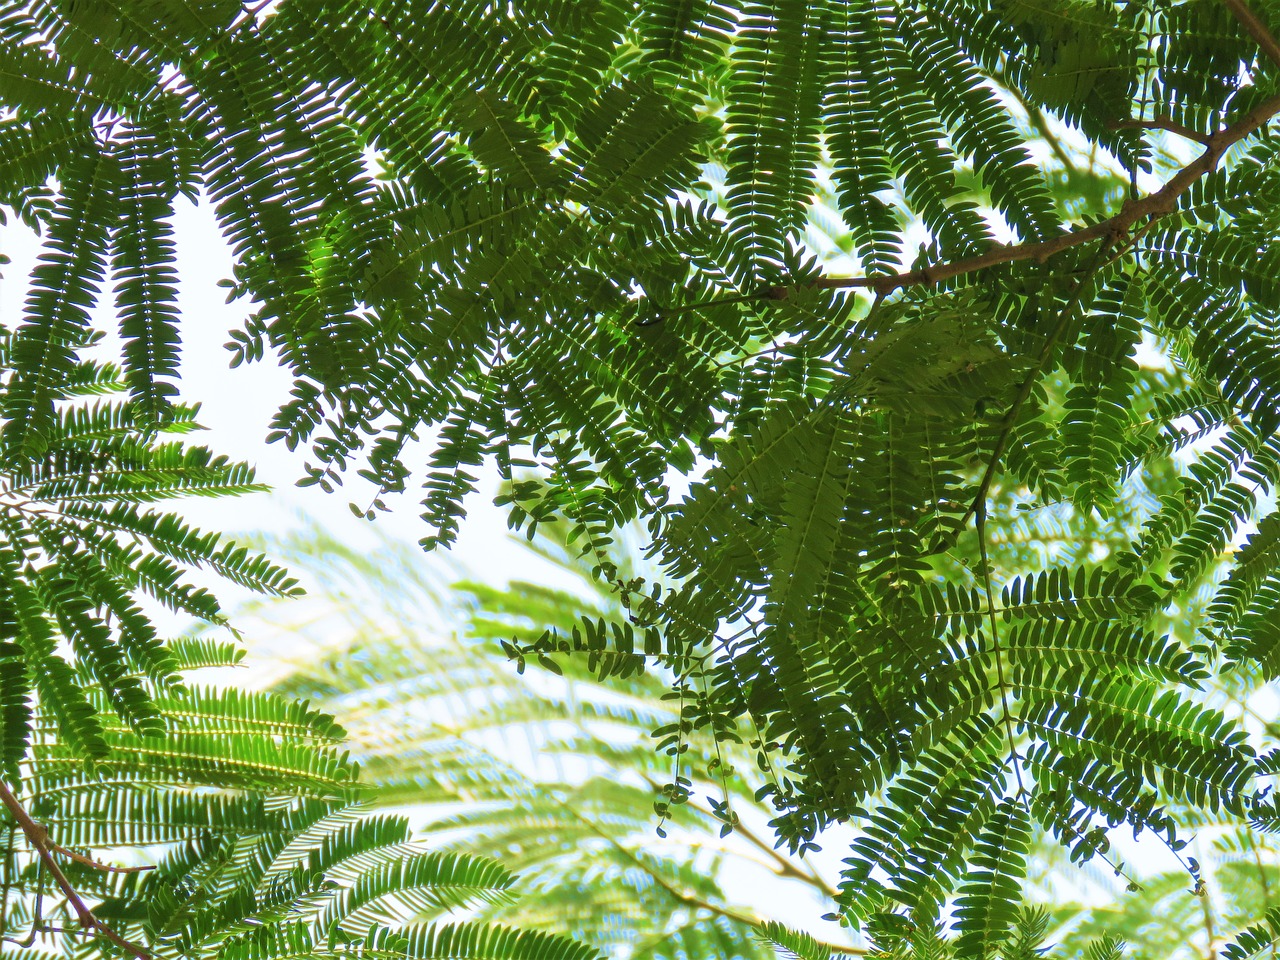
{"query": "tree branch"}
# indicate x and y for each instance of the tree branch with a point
(38, 837)
(1256, 28)
(1162, 122)
(1153, 206)
(688, 899)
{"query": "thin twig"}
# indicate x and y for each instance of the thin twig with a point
(688, 899)
(785, 867)
(1162, 122)
(38, 837)
(1262, 879)
(1206, 908)
(995, 647)
(1037, 118)
(95, 864)
(1257, 29)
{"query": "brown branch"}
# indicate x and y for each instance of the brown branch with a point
(1153, 206)
(38, 837)
(1257, 29)
(1162, 122)
(688, 899)
(95, 864)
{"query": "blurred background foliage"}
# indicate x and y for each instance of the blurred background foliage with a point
(552, 770)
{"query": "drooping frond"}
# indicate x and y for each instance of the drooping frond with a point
(81, 548)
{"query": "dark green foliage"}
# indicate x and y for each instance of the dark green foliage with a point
(575, 238)
(986, 908)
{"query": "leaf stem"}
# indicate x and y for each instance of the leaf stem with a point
(784, 866)
(981, 522)
(1024, 391)
(688, 899)
(1161, 122)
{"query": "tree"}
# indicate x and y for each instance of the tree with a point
(573, 237)
(557, 779)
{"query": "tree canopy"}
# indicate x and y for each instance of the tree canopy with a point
(958, 316)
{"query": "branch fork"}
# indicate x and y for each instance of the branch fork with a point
(1158, 204)
(38, 837)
